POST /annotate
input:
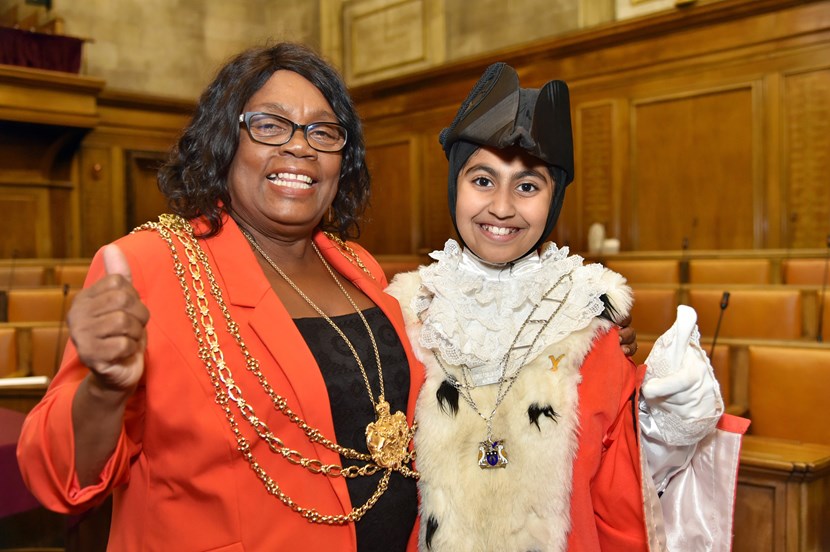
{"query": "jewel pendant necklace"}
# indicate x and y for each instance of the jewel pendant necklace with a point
(492, 452)
(388, 436)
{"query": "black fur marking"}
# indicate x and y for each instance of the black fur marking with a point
(432, 526)
(534, 411)
(447, 396)
(609, 312)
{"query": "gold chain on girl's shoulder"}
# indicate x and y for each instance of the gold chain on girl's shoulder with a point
(227, 390)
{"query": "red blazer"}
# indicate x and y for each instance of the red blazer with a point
(178, 480)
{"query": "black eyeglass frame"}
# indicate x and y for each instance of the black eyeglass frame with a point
(245, 118)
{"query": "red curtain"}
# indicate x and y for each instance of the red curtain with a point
(43, 51)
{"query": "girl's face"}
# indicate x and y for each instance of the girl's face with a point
(502, 203)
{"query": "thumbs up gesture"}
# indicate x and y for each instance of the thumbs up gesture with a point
(107, 323)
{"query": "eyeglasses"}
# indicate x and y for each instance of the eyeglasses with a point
(273, 130)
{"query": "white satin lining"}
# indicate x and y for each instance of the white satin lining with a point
(699, 502)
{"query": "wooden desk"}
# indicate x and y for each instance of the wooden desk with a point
(783, 498)
(21, 398)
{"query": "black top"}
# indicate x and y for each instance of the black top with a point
(387, 525)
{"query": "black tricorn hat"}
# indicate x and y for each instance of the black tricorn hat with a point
(499, 113)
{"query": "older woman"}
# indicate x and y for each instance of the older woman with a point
(236, 371)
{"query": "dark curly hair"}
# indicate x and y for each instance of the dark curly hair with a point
(194, 178)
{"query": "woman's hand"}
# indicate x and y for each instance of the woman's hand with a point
(628, 337)
(107, 325)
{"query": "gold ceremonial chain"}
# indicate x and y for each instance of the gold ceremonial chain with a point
(227, 390)
(352, 256)
(388, 436)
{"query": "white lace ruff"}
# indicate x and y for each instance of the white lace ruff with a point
(471, 312)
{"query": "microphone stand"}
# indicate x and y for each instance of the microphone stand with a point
(724, 302)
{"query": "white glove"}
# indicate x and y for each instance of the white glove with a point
(680, 390)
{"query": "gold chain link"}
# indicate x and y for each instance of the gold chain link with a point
(352, 256)
(228, 391)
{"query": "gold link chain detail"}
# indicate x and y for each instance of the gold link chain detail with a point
(227, 391)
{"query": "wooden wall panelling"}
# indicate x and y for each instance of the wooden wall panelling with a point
(408, 213)
(118, 163)
(692, 170)
(438, 227)
(712, 69)
(143, 199)
(383, 38)
(98, 207)
(392, 224)
(48, 97)
(25, 228)
(595, 194)
(807, 154)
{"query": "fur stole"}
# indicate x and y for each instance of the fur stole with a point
(525, 505)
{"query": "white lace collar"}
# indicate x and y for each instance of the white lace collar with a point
(472, 311)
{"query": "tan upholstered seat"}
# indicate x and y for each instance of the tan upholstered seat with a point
(72, 274)
(654, 309)
(48, 343)
(21, 276)
(804, 272)
(788, 392)
(768, 313)
(729, 271)
(647, 271)
(39, 304)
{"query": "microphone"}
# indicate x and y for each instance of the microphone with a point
(724, 302)
(819, 337)
(57, 363)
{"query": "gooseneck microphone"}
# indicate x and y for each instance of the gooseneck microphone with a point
(820, 324)
(724, 302)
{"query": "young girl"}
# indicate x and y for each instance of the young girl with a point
(535, 432)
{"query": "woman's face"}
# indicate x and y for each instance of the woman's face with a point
(284, 191)
(502, 203)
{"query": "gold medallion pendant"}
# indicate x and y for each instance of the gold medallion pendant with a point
(388, 436)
